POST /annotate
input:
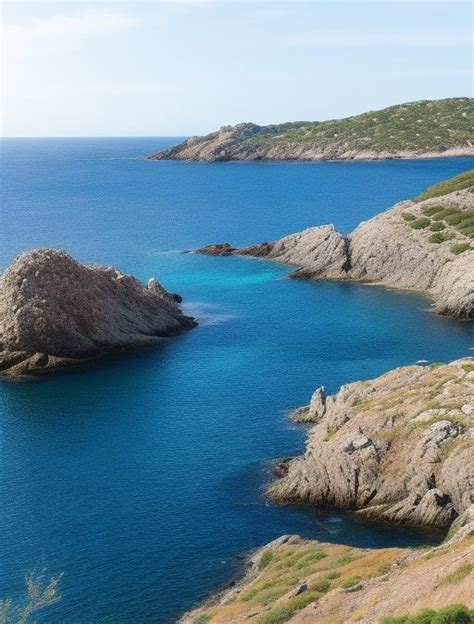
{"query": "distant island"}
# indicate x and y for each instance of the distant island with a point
(424, 129)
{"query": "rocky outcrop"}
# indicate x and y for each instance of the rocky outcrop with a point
(398, 448)
(307, 582)
(56, 312)
(219, 249)
(402, 248)
(423, 129)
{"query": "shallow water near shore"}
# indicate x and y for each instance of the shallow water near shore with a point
(140, 478)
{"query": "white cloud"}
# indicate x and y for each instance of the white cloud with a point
(48, 36)
(351, 40)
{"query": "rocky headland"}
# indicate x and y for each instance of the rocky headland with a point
(398, 448)
(56, 313)
(425, 245)
(424, 129)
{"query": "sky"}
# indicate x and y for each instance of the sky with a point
(185, 67)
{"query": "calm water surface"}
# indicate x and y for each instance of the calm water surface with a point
(141, 478)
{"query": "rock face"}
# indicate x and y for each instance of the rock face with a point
(424, 246)
(56, 312)
(398, 448)
(344, 585)
(413, 130)
(219, 249)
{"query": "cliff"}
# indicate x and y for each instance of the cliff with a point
(414, 130)
(423, 245)
(398, 448)
(341, 585)
(56, 312)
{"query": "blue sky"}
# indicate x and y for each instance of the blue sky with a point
(189, 66)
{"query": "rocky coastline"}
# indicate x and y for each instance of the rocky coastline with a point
(421, 245)
(56, 313)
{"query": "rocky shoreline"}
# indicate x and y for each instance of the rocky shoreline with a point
(56, 314)
(424, 246)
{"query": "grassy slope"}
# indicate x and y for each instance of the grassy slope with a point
(462, 181)
(425, 125)
(333, 572)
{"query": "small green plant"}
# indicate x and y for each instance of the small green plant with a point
(350, 582)
(202, 619)
(332, 574)
(452, 614)
(282, 613)
(437, 226)
(420, 224)
(265, 559)
(459, 574)
(434, 365)
(468, 368)
(321, 585)
(408, 216)
(459, 248)
(439, 237)
(429, 211)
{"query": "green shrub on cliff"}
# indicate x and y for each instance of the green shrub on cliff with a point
(460, 248)
(453, 614)
(437, 226)
(439, 237)
(420, 224)
(463, 181)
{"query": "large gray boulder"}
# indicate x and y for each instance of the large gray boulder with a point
(55, 310)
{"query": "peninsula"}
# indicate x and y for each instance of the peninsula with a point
(423, 129)
(425, 245)
(56, 313)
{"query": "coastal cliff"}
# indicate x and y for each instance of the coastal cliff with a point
(398, 448)
(424, 129)
(425, 245)
(303, 581)
(56, 312)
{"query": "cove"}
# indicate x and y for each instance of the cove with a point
(140, 478)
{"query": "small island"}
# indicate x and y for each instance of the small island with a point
(56, 313)
(424, 129)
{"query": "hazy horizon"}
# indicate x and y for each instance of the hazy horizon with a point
(187, 67)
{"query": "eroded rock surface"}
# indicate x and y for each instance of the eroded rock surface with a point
(56, 312)
(390, 250)
(397, 448)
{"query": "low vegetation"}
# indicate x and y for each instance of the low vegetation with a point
(453, 614)
(463, 181)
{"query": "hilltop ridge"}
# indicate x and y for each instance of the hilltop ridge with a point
(421, 129)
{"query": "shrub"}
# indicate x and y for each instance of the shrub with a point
(439, 237)
(408, 216)
(468, 368)
(429, 211)
(332, 574)
(437, 226)
(420, 224)
(445, 212)
(321, 586)
(202, 619)
(265, 559)
(350, 582)
(460, 248)
(453, 614)
(282, 613)
(455, 218)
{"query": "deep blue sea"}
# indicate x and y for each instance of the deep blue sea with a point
(140, 478)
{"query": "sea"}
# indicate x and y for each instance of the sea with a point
(140, 479)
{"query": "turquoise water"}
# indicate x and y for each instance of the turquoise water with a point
(140, 478)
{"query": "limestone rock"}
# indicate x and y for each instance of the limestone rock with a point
(55, 312)
(369, 450)
(386, 251)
